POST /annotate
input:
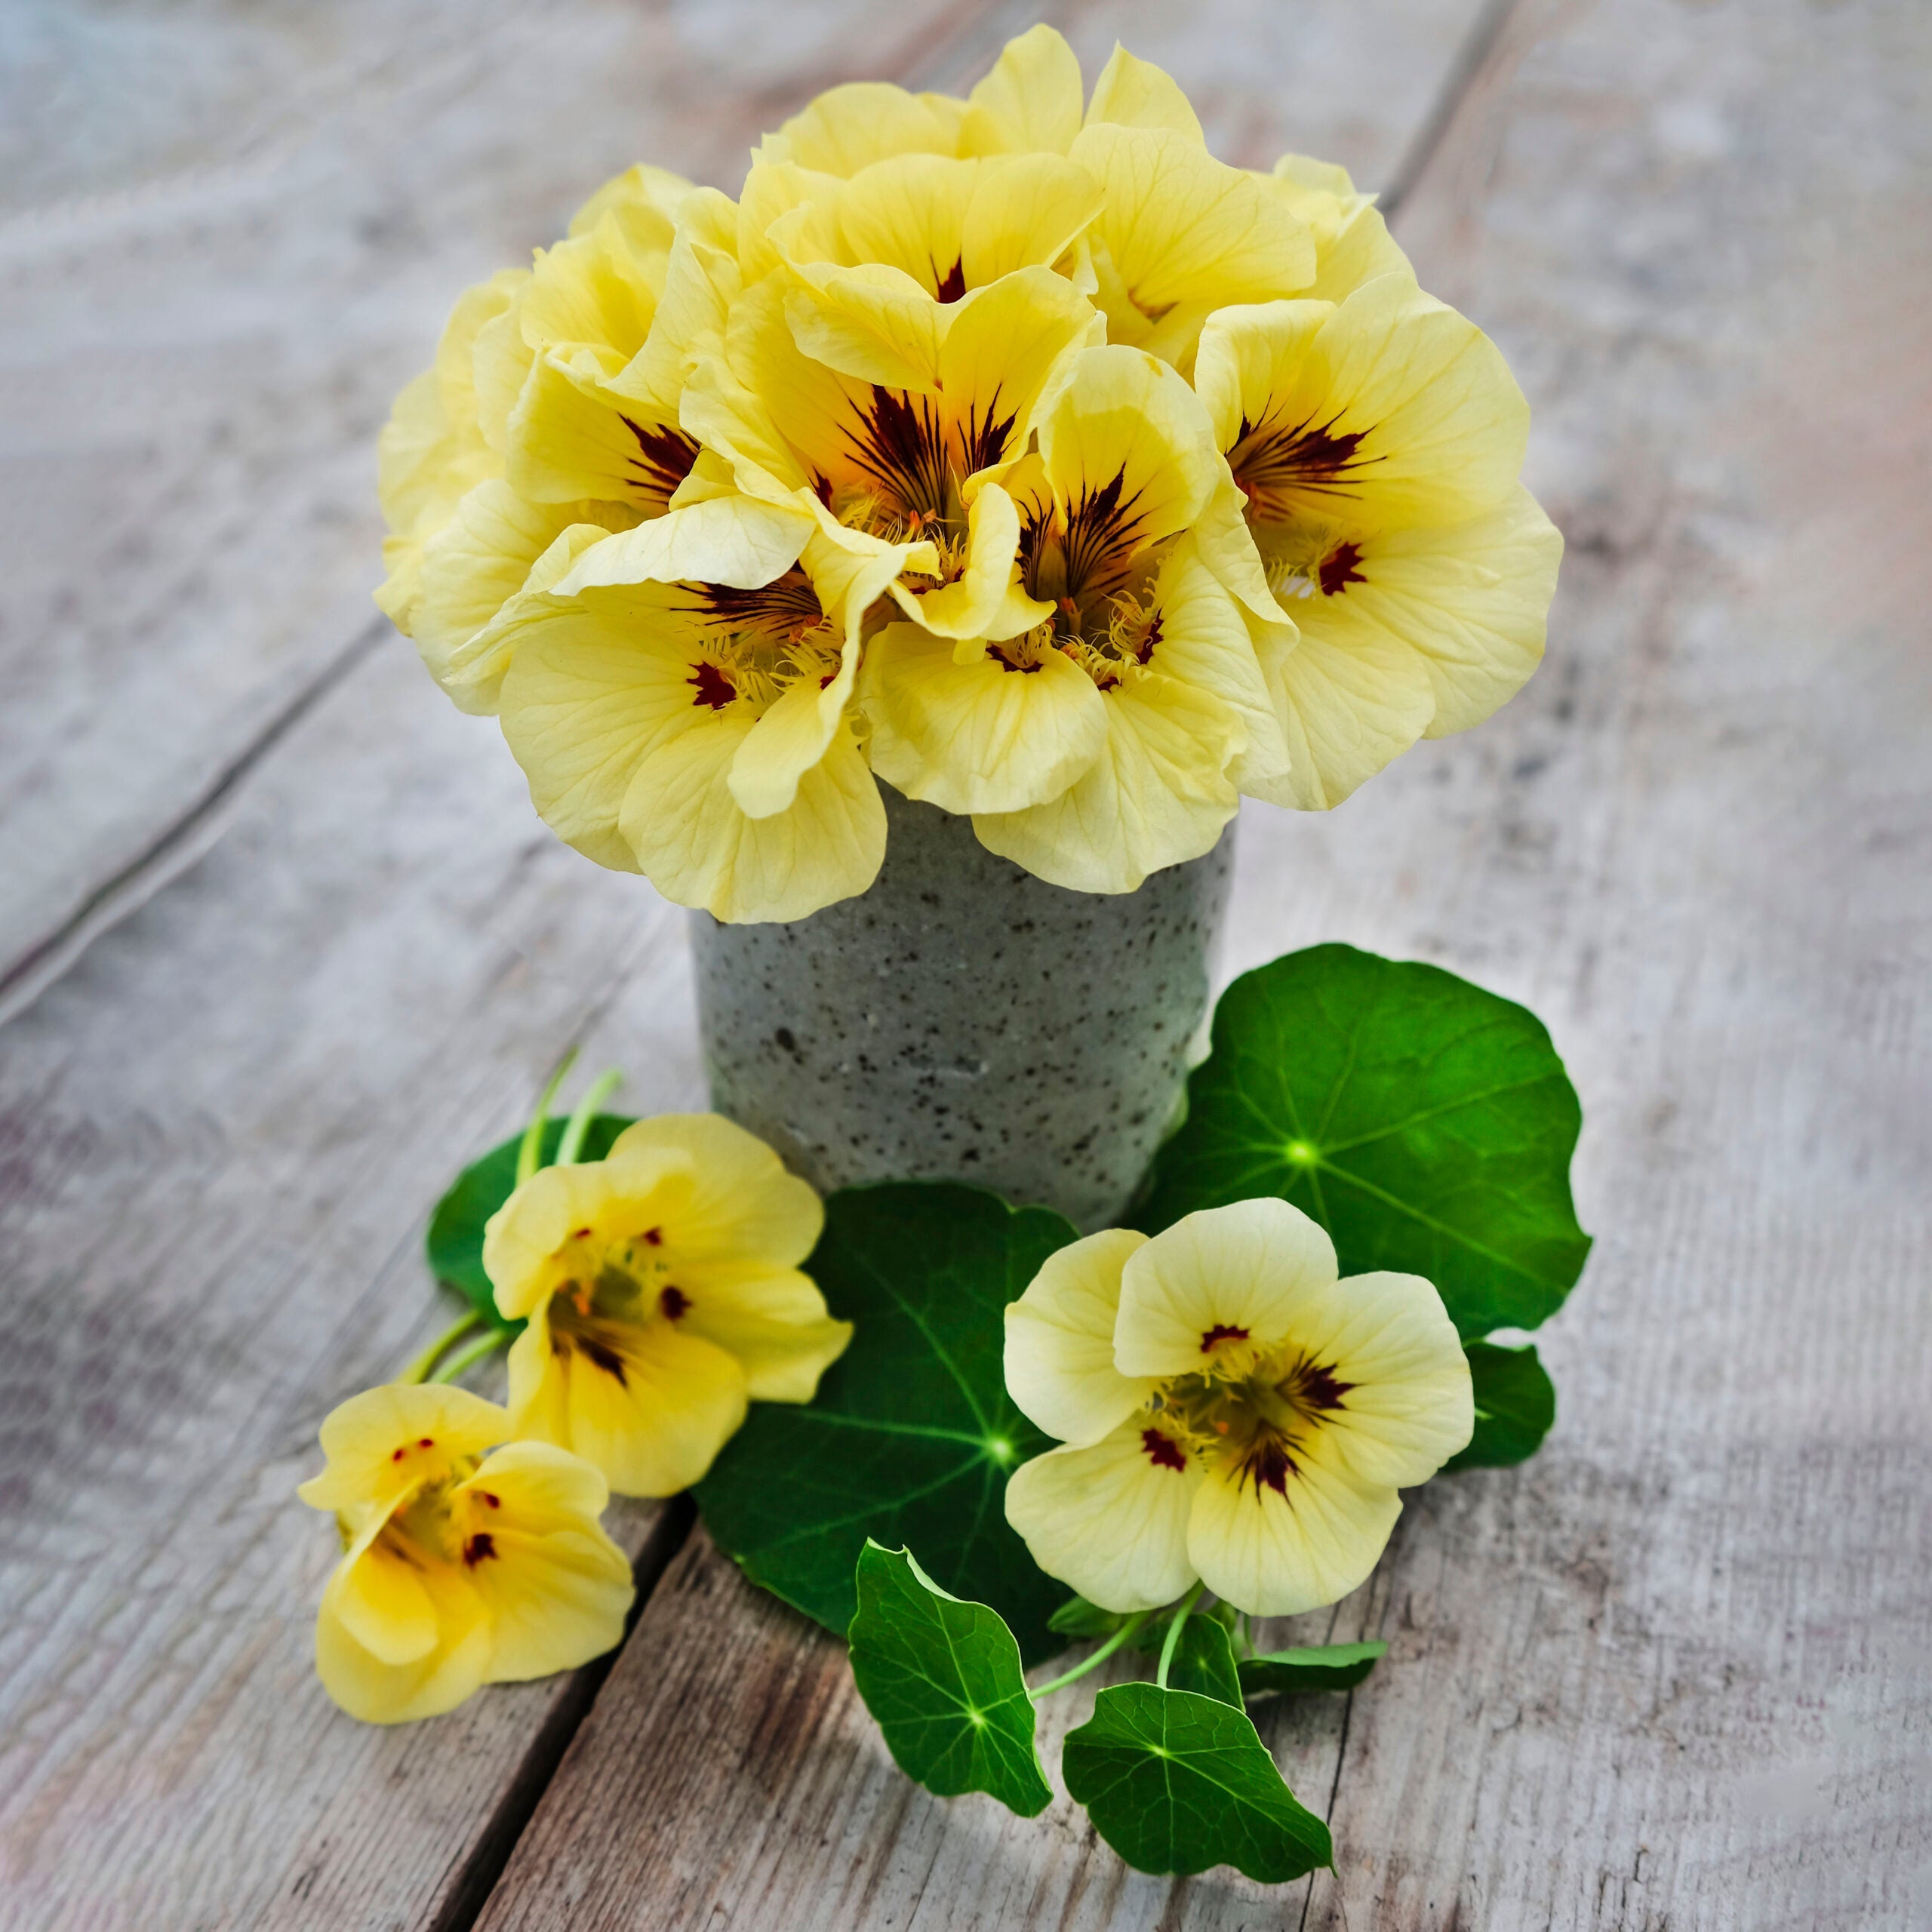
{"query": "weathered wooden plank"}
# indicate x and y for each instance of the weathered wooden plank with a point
(1673, 1672)
(227, 241)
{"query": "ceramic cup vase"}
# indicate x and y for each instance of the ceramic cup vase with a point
(964, 1020)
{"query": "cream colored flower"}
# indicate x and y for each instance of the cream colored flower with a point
(662, 1288)
(460, 1568)
(1377, 442)
(1231, 1411)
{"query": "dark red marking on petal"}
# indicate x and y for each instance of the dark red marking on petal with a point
(1163, 1451)
(952, 284)
(397, 1455)
(1267, 1464)
(675, 1303)
(1317, 1388)
(495, 1501)
(605, 1357)
(481, 1545)
(997, 653)
(713, 687)
(1148, 642)
(582, 1234)
(666, 459)
(655, 1236)
(1221, 1332)
(427, 1442)
(1338, 569)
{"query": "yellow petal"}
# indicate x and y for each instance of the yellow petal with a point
(697, 845)
(1158, 794)
(1110, 1519)
(737, 540)
(555, 1588)
(1059, 1341)
(1248, 361)
(655, 1429)
(979, 737)
(847, 127)
(1352, 244)
(595, 685)
(1136, 93)
(388, 1441)
(1350, 697)
(1180, 228)
(1279, 1553)
(522, 1239)
(569, 438)
(378, 1598)
(1222, 1279)
(427, 1686)
(654, 190)
(743, 1205)
(1405, 1407)
(774, 1325)
(1204, 642)
(1227, 545)
(1123, 419)
(1029, 102)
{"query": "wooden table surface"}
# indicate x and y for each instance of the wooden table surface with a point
(281, 943)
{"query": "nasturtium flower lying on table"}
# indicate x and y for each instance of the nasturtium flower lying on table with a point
(1231, 1412)
(662, 1291)
(1011, 451)
(463, 1564)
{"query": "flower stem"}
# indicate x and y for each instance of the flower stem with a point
(529, 1155)
(488, 1344)
(569, 1149)
(1187, 1604)
(1088, 1663)
(419, 1370)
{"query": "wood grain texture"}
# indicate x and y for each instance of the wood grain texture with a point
(1677, 1672)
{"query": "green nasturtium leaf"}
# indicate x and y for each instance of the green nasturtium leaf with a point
(1176, 1782)
(1204, 1661)
(1320, 1667)
(455, 1241)
(913, 1435)
(1516, 1404)
(1427, 1125)
(942, 1679)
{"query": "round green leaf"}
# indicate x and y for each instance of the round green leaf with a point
(913, 1435)
(1176, 1782)
(1319, 1667)
(1516, 1404)
(1427, 1125)
(942, 1679)
(1203, 1660)
(455, 1240)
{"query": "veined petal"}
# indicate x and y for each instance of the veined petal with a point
(655, 192)
(455, 1665)
(697, 844)
(1029, 102)
(1352, 244)
(1249, 357)
(871, 323)
(737, 540)
(1111, 1519)
(1133, 93)
(1350, 697)
(377, 1597)
(523, 1239)
(1226, 546)
(776, 1327)
(1204, 642)
(1219, 1285)
(1180, 227)
(569, 438)
(971, 604)
(594, 687)
(980, 736)
(1386, 1342)
(1279, 1552)
(1158, 794)
(653, 1422)
(1059, 1341)
(848, 127)
(742, 1205)
(555, 1588)
(1124, 421)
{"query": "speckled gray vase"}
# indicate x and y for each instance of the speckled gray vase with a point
(964, 1020)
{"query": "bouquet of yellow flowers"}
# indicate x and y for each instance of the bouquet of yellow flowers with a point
(1012, 449)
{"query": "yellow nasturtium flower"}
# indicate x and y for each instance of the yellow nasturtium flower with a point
(662, 1292)
(1106, 741)
(681, 706)
(1231, 1411)
(462, 1564)
(1378, 442)
(1352, 244)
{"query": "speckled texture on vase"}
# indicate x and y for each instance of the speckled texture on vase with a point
(964, 1020)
